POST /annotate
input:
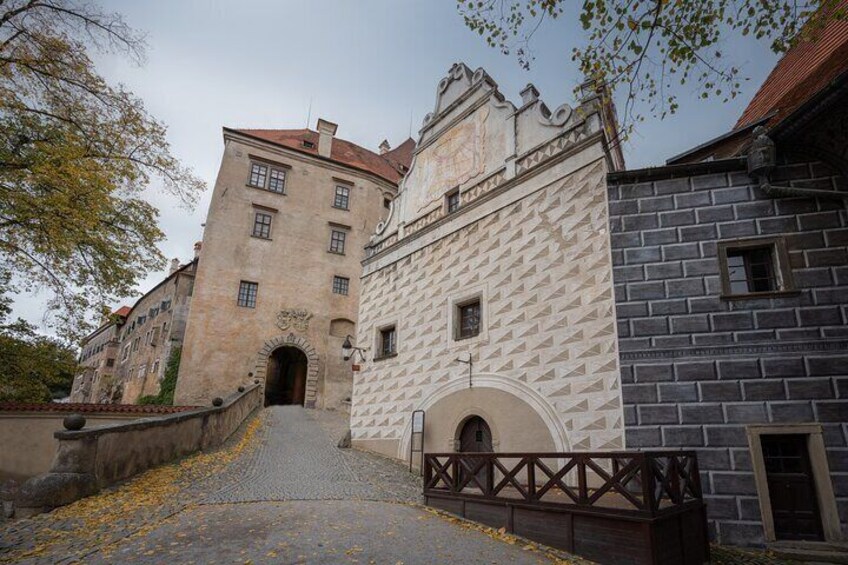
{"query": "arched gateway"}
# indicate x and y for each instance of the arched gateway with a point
(288, 365)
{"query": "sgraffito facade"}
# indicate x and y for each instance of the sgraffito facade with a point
(496, 253)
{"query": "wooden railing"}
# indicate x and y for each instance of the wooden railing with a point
(643, 482)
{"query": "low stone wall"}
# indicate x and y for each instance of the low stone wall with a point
(91, 459)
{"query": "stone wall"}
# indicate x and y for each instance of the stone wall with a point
(90, 459)
(697, 369)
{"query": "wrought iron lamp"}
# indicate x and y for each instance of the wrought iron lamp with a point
(349, 350)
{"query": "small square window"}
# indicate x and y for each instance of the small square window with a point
(277, 181)
(337, 241)
(258, 174)
(262, 225)
(453, 201)
(754, 267)
(247, 294)
(469, 319)
(342, 199)
(308, 144)
(341, 285)
(388, 341)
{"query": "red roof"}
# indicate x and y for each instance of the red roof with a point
(89, 408)
(803, 72)
(342, 151)
(123, 311)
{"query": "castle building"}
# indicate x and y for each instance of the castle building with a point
(487, 297)
(277, 289)
(153, 331)
(731, 286)
(97, 359)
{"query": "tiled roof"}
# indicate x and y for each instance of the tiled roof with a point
(804, 70)
(342, 151)
(123, 311)
(91, 408)
(401, 156)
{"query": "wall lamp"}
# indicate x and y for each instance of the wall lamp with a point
(348, 350)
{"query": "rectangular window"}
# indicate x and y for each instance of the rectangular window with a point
(388, 341)
(277, 181)
(342, 199)
(387, 202)
(755, 266)
(341, 285)
(262, 225)
(337, 241)
(453, 201)
(165, 305)
(469, 319)
(247, 294)
(110, 362)
(258, 174)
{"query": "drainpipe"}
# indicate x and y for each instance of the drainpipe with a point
(762, 159)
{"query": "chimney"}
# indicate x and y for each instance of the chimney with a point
(385, 147)
(197, 247)
(529, 94)
(175, 266)
(326, 131)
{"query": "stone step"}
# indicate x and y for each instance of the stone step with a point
(811, 552)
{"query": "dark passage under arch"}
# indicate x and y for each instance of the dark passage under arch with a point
(285, 382)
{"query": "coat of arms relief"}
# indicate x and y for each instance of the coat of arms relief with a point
(293, 319)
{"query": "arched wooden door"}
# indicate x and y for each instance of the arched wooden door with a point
(475, 437)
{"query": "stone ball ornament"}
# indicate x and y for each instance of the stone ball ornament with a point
(74, 422)
(217, 401)
(241, 389)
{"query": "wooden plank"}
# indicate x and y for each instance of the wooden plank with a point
(549, 528)
(609, 541)
(491, 514)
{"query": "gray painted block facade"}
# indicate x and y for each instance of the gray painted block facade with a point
(696, 368)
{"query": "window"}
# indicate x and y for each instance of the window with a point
(155, 366)
(247, 294)
(341, 285)
(387, 202)
(308, 144)
(267, 178)
(342, 199)
(277, 181)
(262, 225)
(754, 267)
(258, 174)
(388, 342)
(110, 362)
(469, 319)
(337, 241)
(453, 201)
(166, 304)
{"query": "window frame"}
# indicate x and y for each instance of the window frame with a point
(256, 222)
(781, 269)
(380, 351)
(333, 240)
(246, 286)
(452, 201)
(343, 284)
(460, 309)
(345, 197)
(274, 173)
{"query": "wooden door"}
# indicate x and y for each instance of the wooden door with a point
(792, 489)
(475, 437)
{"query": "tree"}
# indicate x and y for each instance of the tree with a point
(76, 155)
(33, 368)
(650, 47)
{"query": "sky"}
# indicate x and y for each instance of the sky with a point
(371, 66)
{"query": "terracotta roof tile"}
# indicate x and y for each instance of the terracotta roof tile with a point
(342, 151)
(90, 408)
(123, 311)
(803, 71)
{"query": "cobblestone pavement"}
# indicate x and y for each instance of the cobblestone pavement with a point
(297, 459)
(278, 492)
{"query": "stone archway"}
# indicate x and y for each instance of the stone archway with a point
(298, 342)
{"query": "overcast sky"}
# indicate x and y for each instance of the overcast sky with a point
(369, 65)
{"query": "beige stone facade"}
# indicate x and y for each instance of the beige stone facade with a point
(277, 288)
(505, 207)
(98, 361)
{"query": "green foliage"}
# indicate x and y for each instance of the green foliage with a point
(168, 384)
(76, 155)
(33, 368)
(651, 47)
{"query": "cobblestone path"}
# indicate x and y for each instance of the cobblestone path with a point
(279, 492)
